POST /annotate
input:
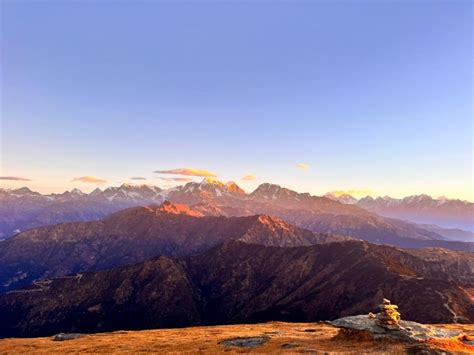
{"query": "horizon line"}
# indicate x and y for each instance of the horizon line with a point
(374, 196)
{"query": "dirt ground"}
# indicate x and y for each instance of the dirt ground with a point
(317, 338)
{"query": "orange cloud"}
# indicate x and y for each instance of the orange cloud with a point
(183, 179)
(89, 180)
(188, 171)
(248, 177)
(14, 178)
(303, 166)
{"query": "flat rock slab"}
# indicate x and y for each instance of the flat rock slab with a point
(245, 342)
(289, 346)
(67, 336)
(407, 330)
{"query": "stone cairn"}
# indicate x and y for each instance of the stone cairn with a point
(389, 317)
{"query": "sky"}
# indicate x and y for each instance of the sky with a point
(372, 97)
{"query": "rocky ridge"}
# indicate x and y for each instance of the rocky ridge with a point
(239, 282)
(135, 235)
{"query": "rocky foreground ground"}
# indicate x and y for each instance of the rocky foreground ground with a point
(274, 337)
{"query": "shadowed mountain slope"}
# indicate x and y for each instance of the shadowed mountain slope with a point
(239, 282)
(135, 235)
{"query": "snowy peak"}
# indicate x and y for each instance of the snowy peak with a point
(126, 186)
(96, 192)
(23, 192)
(268, 191)
(342, 198)
(421, 201)
(417, 199)
(234, 188)
(212, 187)
(130, 192)
(423, 209)
(77, 192)
(211, 182)
(139, 188)
(73, 194)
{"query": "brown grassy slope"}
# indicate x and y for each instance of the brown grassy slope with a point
(303, 337)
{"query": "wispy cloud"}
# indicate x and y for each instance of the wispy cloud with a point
(137, 178)
(248, 177)
(170, 179)
(89, 180)
(188, 171)
(303, 166)
(14, 178)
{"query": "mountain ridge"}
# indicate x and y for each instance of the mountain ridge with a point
(422, 209)
(237, 282)
(133, 235)
(211, 197)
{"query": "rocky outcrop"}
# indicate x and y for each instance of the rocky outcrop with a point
(387, 325)
(251, 342)
(405, 330)
(67, 336)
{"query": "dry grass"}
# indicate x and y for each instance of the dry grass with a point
(321, 339)
(453, 345)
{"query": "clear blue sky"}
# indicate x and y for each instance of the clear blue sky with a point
(372, 95)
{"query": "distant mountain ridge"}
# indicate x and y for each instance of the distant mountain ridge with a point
(315, 213)
(238, 282)
(423, 209)
(23, 209)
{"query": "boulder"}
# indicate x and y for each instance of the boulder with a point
(250, 342)
(67, 336)
(406, 330)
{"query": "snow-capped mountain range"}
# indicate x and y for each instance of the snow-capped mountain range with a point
(23, 209)
(444, 212)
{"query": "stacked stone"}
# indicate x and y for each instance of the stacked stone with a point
(389, 317)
